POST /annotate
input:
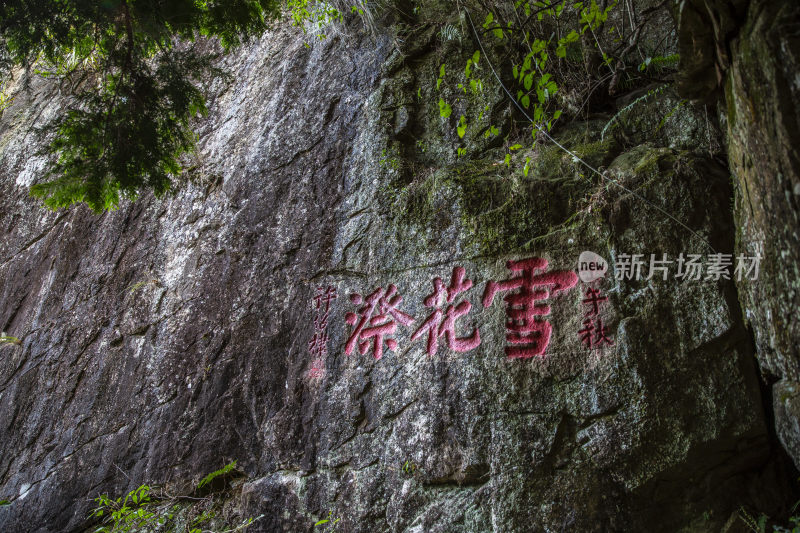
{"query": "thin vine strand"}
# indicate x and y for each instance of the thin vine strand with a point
(573, 154)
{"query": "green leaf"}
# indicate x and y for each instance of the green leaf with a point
(213, 475)
(468, 68)
(515, 147)
(8, 339)
(476, 56)
(527, 167)
(561, 51)
(444, 108)
(489, 20)
(508, 160)
(556, 114)
(526, 101)
(528, 81)
(462, 126)
(515, 71)
(441, 71)
(321, 522)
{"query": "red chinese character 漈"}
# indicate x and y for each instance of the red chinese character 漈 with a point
(528, 334)
(375, 327)
(436, 326)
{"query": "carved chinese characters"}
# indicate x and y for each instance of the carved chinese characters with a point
(527, 294)
(528, 333)
(318, 345)
(436, 326)
(371, 328)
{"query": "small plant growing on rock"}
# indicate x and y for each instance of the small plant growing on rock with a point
(328, 523)
(132, 513)
(141, 510)
(759, 525)
(8, 339)
(409, 468)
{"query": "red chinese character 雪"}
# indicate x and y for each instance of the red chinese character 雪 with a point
(528, 334)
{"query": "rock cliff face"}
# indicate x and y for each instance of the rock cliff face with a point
(747, 58)
(165, 339)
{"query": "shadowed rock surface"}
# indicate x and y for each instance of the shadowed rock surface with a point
(747, 57)
(170, 337)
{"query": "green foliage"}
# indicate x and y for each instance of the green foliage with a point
(8, 339)
(320, 14)
(622, 112)
(131, 513)
(550, 57)
(316, 13)
(445, 110)
(409, 468)
(328, 523)
(215, 474)
(140, 510)
(135, 91)
(5, 100)
(462, 126)
(759, 525)
(390, 160)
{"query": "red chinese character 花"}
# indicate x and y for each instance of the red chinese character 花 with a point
(444, 324)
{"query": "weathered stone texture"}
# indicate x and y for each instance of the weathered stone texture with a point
(169, 337)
